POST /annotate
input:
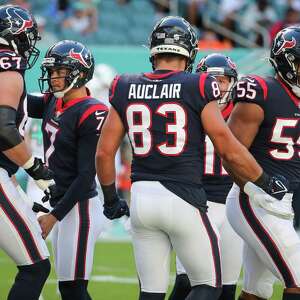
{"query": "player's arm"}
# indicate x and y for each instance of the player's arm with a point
(36, 105)
(244, 123)
(242, 164)
(11, 142)
(88, 134)
(109, 142)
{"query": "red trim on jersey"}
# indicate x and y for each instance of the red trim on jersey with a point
(46, 97)
(289, 92)
(91, 110)
(202, 79)
(263, 85)
(226, 111)
(160, 75)
(113, 86)
(60, 107)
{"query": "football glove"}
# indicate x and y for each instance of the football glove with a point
(36, 207)
(278, 207)
(42, 175)
(116, 210)
(277, 186)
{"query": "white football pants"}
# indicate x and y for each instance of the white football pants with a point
(271, 245)
(231, 245)
(161, 220)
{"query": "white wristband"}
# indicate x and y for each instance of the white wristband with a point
(29, 163)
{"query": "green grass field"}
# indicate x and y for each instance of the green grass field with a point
(114, 275)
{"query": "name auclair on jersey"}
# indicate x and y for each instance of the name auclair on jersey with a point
(152, 91)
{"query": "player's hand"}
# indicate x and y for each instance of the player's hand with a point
(36, 207)
(46, 222)
(43, 176)
(281, 208)
(116, 210)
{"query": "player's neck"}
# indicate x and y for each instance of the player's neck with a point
(172, 65)
(74, 94)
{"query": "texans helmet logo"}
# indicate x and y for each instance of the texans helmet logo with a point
(78, 56)
(231, 64)
(285, 45)
(201, 63)
(17, 23)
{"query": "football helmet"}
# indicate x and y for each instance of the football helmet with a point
(19, 31)
(73, 56)
(218, 64)
(176, 36)
(285, 57)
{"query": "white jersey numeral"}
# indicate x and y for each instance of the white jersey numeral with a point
(139, 119)
(279, 138)
(52, 131)
(210, 158)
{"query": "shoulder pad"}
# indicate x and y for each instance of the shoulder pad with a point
(209, 88)
(99, 110)
(113, 86)
(10, 61)
(251, 89)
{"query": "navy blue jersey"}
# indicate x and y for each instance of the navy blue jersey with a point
(216, 181)
(10, 61)
(161, 114)
(276, 146)
(70, 135)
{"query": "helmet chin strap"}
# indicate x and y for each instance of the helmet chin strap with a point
(226, 95)
(60, 94)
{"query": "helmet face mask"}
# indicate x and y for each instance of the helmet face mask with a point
(220, 66)
(72, 56)
(173, 35)
(285, 57)
(19, 32)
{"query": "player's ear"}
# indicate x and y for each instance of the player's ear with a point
(81, 74)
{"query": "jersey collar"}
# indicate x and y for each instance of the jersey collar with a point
(160, 74)
(295, 99)
(61, 107)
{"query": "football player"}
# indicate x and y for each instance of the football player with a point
(72, 120)
(166, 113)
(266, 119)
(20, 235)
(217, 183)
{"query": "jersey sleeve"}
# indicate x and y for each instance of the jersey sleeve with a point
(36, 105)
(205, 89)
(115, 97)
(10, 61)
(88, 131)
(251, 89)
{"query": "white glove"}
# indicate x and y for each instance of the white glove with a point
(279, 208)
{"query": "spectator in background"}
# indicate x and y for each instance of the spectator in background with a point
(259, 13)
(292, 17)
(101, 81)
(195, 9)
(83, 20)
(227, 9)
(209, 40)
(48, 37)
(162, 8)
